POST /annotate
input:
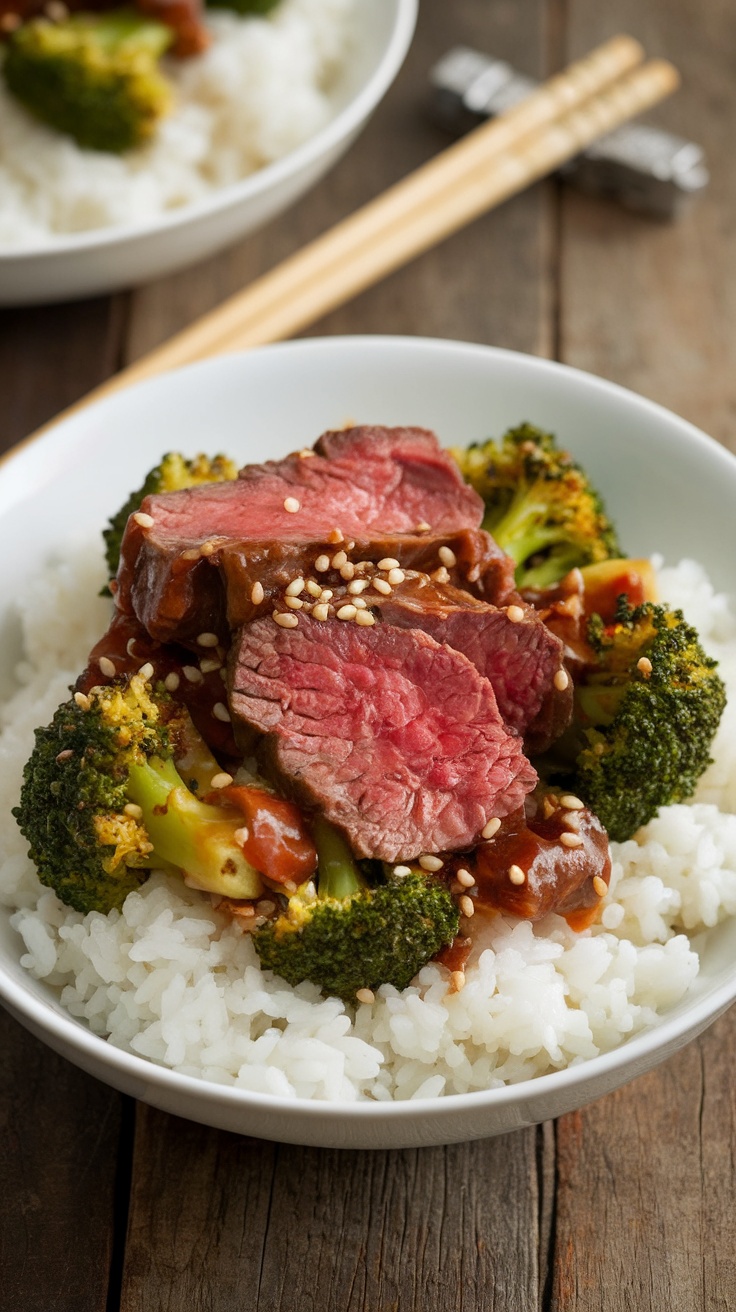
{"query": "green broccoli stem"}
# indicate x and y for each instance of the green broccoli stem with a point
(191, 835)
(523, 529)
(125, 27)
(338, 874)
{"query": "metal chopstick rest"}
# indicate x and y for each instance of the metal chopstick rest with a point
(643, 167)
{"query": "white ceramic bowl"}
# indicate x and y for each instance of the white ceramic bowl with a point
(106, 259)
(669, 488)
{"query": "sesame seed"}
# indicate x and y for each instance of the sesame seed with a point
(257, 593)
(360, 602)
(336, 535)
(571, 840)
(365, 618)
(145, 521)
(82, 701)
(561, 680)
(350, 546)
(365, 995)
(474, 574)
(600, 886)
(440, 575)
(207, 640)
(321, 564)
(306, 452)
(571, 802)
(447, 557)
(313, 588)
(347, 571)
(339, 558)
(515, 614)
(572, 820)
(464, 878)
(490, 828)
(388, 562)
(423, 527)
(364, 565)
(431, 863)
(172, 681)
(347, 612)
(467, 906)
(191, 554)
(396, 576)
(242, 835)
(402, 871)
(146, 671)
(210, 664)
(221, 780)
(64, 756)
(357, 586)
(326, 594)
(130, 646)
(107, 667)
(548, 808)
(644, 666)
(291, 505)
(192, 674)
(294, 603)
(295, 587)
(220, 712)
(134, 810)
(285, 619)
(382, 586)
(321, 611)
(458, 980)
(208, 549)
(516, 875)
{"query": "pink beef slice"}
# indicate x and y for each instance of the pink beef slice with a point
(368, 482)
(396, 738)
(510, 646)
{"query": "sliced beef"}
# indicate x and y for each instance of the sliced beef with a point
(365, 485)
(395, 737)
(509, 645)
(528, 870)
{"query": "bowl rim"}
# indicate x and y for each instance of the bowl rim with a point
(78, 1042)
(222, 199)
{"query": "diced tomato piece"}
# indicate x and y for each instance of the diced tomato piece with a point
(278, 845)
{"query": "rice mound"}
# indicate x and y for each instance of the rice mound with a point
(261, 89)
(177, 982)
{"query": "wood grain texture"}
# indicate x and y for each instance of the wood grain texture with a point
(220, 1223)
(58, 1152)
(653, 305)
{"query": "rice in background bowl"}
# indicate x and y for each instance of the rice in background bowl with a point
(263, 114)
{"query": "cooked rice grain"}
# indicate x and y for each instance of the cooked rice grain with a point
(179, 983)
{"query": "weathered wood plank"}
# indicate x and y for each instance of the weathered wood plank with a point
(58, 1151)
(52, 355)
(652, 305)
(220, 1223)
(646, 1192)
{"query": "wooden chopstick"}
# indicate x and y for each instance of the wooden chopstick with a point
(567, 113)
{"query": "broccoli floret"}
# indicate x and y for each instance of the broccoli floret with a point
(92, 76)
(102, 802)
(540, 506)
(173, 474)
(644, 718)
(347, 934)
(244, 7)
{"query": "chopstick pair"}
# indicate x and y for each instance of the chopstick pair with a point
(553, 124)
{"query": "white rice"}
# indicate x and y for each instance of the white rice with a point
(173, 980)
(261, 89)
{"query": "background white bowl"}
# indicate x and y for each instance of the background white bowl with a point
(106, 259)
(668, 487)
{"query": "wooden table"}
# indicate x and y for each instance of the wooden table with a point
(630, 1203)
